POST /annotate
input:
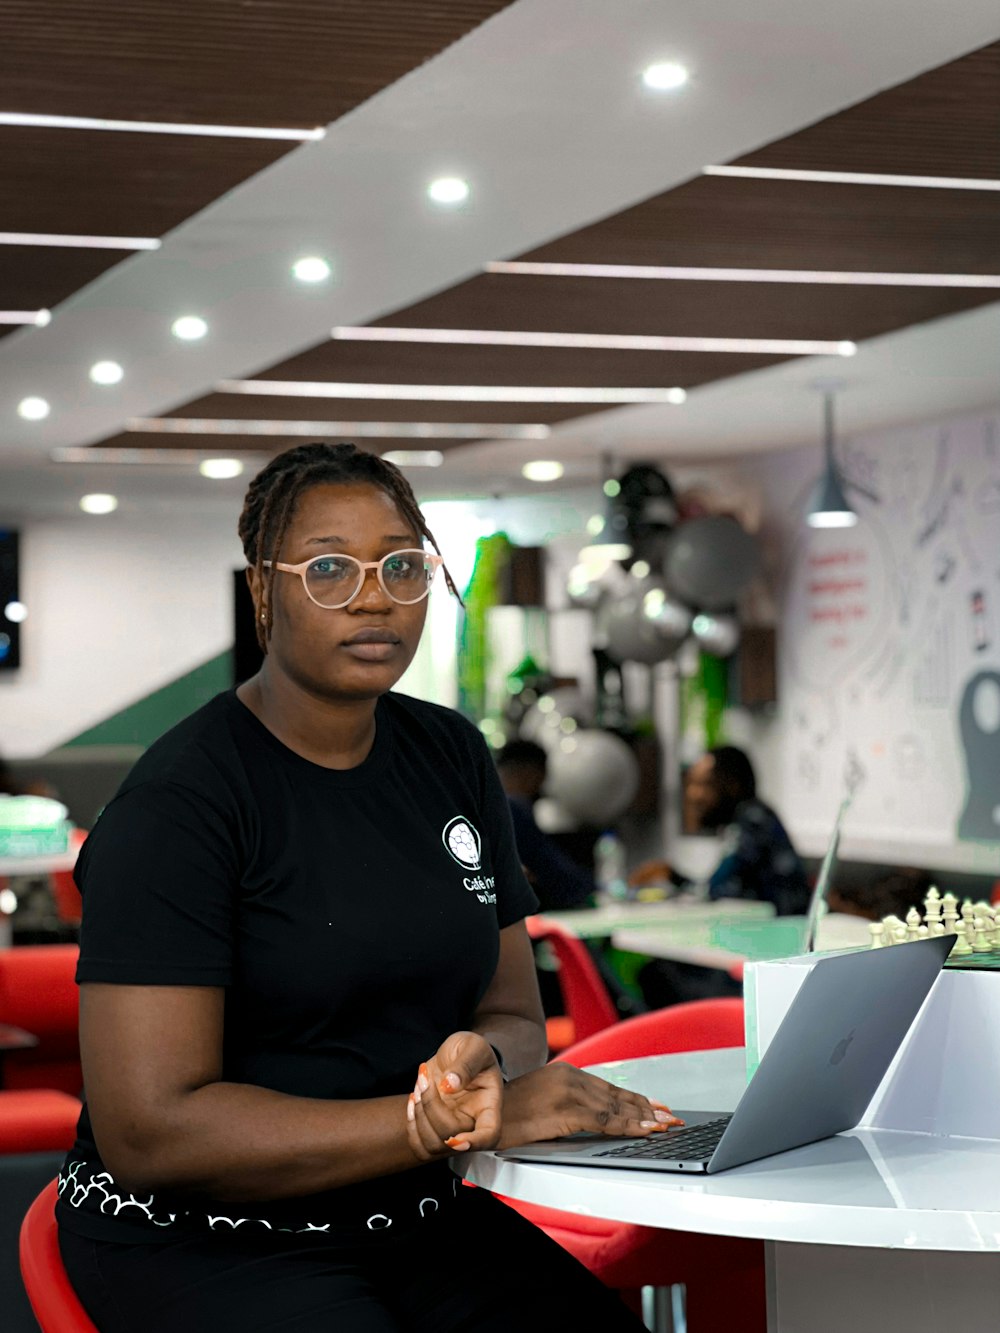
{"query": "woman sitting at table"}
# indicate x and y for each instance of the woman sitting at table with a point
(305, 977)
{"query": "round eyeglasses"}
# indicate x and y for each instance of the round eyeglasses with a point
(333, 581)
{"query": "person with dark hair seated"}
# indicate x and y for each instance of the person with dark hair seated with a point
(758, 861)
(306, 980)
(557, 880)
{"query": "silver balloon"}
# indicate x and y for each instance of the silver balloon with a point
(592, 775)
(548, 721)
(710, 561)
(630, 635)
(584, 587)
(716, 634)
(671, 617)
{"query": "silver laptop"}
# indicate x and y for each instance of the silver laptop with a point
(816, 1078)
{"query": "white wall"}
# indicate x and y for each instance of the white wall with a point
(118, 605)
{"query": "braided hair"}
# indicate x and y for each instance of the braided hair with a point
(272, 495)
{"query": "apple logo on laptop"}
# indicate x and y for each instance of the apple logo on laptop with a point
(840, 1050)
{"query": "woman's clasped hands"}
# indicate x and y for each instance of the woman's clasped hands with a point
(460, 1103)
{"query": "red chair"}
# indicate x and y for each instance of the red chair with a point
(38, 992)
(589, 1007)
(53, 1300)
(65, 894)
(724, 1275)
(37, 1120)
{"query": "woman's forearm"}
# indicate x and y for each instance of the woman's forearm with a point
(521, 1041)
(233, 1141)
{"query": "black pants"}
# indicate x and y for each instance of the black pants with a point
(476, 1266)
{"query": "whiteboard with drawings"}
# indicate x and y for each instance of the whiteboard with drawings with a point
(891, 653)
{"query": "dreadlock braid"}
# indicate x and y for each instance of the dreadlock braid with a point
(272, 495)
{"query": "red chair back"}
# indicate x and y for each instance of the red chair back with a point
(38, 992)
(701, 1025)
(54, 1302)
(584, 994)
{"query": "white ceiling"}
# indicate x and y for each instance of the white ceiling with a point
(542, 110)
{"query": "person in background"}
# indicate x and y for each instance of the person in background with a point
(557, 880)
(306, 981)
(758, 860)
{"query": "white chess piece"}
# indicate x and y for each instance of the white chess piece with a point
(949, 912)
(890, 923)
(968, 916)
(961, 945)
(913, 924)
(877, 931)
(980, 939)
(900, 933)
(932, 909)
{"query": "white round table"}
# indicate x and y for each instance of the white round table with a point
(877, 1231)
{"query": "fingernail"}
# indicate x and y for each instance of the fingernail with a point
(415, 1094)
(409, 1107)
(649, 1124)
(450, 1083)
(423, 1082)
(458, 1145)
(663, 1116)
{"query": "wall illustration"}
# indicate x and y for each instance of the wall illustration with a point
(891, 647)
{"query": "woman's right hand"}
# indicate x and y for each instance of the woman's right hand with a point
(558, 1099)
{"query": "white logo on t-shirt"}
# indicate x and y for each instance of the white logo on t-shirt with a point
(463, 842)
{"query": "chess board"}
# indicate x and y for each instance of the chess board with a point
(976, 962)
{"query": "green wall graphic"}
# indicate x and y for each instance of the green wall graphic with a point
(146, 719)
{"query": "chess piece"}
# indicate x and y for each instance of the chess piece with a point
(877, 931)
(932, 909)
(949, 912)
(980, 939)
(924, 932)
(968, 914)
(961, 947)
(890, 923)
(900, 934)
(913, 924)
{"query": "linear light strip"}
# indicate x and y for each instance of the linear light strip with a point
(21, 118)
(188, 457)
(371, 430)
(80, 242)
(448, 393)
(598, 341)
(38, 317)
(688, 274)
(857, 178)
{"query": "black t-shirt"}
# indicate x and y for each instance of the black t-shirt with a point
(352, 917)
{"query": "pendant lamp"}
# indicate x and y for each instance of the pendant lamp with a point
(829, 507)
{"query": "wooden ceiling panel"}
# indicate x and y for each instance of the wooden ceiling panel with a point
(225, 446)
(724, 222)
(282, 63)
(227, 406)
(39, 277)
(942, 123)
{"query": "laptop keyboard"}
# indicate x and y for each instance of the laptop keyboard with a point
(677, 1145)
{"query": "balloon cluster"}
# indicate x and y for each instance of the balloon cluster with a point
(682, 577)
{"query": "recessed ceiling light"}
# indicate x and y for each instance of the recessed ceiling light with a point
(449, 190)
(311, 268)
(189, 328)
(37, 317)
(79, 242)
(542, 470)
(688, 274)
(414, 457)
(33, 409)
(16, 612)
(106, 372)
(626, 342)
(99, 503)
(448, 393)
(220, 469)
(857, 178)
(154, 127)
(373, 430)
(664, 75)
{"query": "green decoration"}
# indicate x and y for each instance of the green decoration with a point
(492, 555)
(705, 696)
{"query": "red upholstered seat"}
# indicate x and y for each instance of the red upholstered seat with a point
(724, 1275)
(589, 1007)
(38, 993)
(37, 1120)
(65, 894)
(53, 1300)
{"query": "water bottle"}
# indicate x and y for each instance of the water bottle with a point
(609, 867)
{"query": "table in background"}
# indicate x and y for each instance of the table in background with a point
(605, 921)
(725, 942)
(871, 1230)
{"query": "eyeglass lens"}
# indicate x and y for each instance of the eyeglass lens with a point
(332, 580)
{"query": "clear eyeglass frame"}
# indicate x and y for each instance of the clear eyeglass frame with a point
(432, 563)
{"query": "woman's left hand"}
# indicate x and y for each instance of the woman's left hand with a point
(456, 1103)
